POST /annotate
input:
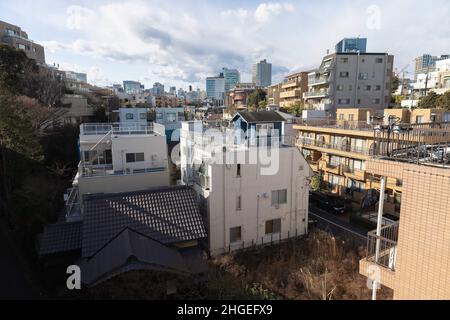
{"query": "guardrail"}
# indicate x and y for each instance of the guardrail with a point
(108, 170)
(121, 129)
(336, 146)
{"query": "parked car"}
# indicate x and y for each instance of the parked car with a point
(333, 205)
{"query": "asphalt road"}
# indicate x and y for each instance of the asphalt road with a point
(335, 224)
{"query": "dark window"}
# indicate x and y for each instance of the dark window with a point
(135, 157)
(238, 170)
(235, 234)
(273, 226)
(131, 157)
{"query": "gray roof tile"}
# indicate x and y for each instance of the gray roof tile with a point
(167, 215)
(61, 237)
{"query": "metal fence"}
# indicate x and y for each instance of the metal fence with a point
(382, 249)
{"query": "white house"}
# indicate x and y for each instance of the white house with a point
(251, 192)
(118, 157)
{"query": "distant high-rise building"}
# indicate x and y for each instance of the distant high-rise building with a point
(15, 37)
(262, 74)
(76, 76)
(352, 45)
(232, 77)
(215, 89)
(132, 87)
(158, 89)
(173, 91)
(190, 88)
(426, 63)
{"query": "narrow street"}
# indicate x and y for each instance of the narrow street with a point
(336, 224)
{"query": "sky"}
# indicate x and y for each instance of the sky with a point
(179, 43)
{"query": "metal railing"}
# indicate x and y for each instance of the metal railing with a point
(320, 93)
(121, 129)
(220, 141)
(303, 141)
(86, 170)
(387, 246)
(72, 205)
(339, 124)
(317, 80)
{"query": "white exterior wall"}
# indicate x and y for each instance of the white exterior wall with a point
(256, 192)
(153, 147)
(256, 197)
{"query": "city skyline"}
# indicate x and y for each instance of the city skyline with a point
(112, 41)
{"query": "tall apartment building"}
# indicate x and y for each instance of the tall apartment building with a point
(232, 77)
(132, 87)
(262, 74)
(215, 89)
(412, 256)
(351, 80)
(293, 88)
(158, 89)
(352, 45)
(244, 201)
(437, 80)
(427, 63)
(15, 37)
(340, 150)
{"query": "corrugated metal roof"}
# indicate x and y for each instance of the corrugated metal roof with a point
(61, 237)
(167, 215)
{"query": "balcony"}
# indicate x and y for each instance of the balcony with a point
(356, 174)
(333, 169)
(315, 81)
(314, 166)
(291, 94)
(344, 148)
(382, 250)
(316, 94)
(290, 84)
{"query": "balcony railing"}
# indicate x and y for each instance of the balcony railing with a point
(339, 124)
(93, 129)
(305, 142)
(382, 249)
(317, 80)
(316, 94)
(85, 170)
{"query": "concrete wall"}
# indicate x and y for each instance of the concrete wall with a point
(123, 183)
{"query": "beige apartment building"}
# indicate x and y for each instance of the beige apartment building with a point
(293, 88)
(15, 37)
(273, 94)
(340, 150)
(412, 256)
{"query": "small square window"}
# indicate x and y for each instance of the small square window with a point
(273, 226)
(140, 157)
(143, 116)
(130, 157)
(235, 234)
(130, 116)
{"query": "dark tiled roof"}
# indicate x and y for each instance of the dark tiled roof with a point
(128, 251)
(261, 116)
(167, 215)
(61, 237)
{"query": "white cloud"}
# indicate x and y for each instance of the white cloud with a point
(266, 10)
